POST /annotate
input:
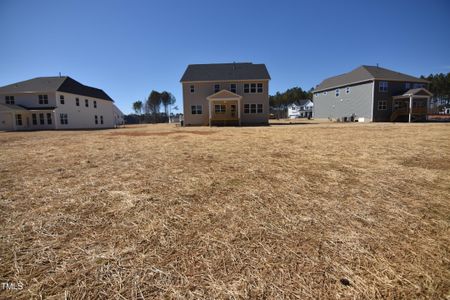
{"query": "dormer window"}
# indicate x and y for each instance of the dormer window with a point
(216, 88)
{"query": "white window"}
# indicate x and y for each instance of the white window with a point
(253, 108)
(383, 87)
(347, 90)
(216, 88)
(382, 104)
(63, 119)
(316, 94)
(246, 88)
(9, 99)
(337, 93)
(77, 102)
(219, 108)
(252, 87)
(192, 88)
(325, 93)
(49, 118)
(95, 104)
(61, 99)
(101, 119)
(259, 108)
(233, 88)
(19, 120)
(196, 109)
(96, 119)
(86, 102)
(34, 118)
(260, 87)
(41, 119)
(43, 99)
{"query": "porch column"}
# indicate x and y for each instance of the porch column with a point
(209, 112)
(14, 121)
(239, 111)
(410, 108)
(55, 120)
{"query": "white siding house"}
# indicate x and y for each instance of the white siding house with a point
(55, 103)
(300, 109)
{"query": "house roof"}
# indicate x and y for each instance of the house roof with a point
(228, 71)
(302, 102)
(54, 84)
(415, 92)
(365, 73)
(11, 107)
(223, 94)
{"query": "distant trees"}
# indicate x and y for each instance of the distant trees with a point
(149, 110)
(153, 103)
(440, 87)
(168, 100)
(439, 84)
(137, 107)
(280, 101)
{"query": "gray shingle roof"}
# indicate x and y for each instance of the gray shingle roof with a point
(365, 73)
(54, 84)
(228, 71)
(11, 107)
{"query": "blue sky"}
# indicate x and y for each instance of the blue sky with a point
(128, 48)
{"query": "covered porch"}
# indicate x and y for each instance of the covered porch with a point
(15, 117)
(224, 108)
(411, 106)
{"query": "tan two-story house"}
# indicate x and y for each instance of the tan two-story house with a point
(226, 94)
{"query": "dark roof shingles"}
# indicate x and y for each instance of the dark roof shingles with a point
(365, 73)
(53, 84)
(227, 71)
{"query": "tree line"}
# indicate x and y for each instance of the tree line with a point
(284, 99)
(149, 110)
(439, 85)
(280, 101)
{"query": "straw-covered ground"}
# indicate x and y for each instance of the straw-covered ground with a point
(321, 211)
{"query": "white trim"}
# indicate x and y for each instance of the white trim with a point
(410, 108)
(373, 100)
(233, 96)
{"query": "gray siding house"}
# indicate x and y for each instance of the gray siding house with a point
(371, 93)
(226, 94)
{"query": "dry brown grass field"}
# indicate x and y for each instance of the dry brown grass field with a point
(317, 211)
